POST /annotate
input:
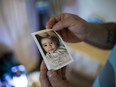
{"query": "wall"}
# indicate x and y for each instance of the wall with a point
(104, 9)
(16, 29)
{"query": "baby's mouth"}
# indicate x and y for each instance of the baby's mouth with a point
(50, 50)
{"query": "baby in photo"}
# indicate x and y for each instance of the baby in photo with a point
(52, 48)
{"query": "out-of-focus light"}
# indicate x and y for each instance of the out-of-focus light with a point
(20, 81)
(0, 83)
(18, 68)
(14, 69)
(9, 80)
(21, 68)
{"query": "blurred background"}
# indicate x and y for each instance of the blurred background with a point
(19, 56)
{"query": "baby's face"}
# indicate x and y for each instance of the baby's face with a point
(49, 45)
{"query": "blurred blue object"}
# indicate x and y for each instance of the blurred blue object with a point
(43, 12)
(19, 75)
(12, 73)
(95, 20)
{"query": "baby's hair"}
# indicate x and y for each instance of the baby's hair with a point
(39, 40)
(55, 39)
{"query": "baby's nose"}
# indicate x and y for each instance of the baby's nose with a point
(49, 46)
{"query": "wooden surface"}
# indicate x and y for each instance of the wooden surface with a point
(95, 53)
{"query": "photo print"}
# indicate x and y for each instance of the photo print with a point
(52, 49)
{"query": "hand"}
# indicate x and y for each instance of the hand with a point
(54, 78)
(74, 29)
(71, 27)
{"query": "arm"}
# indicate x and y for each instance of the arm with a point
(102, 36)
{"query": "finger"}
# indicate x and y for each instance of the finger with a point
(55, 79)
(61, 25)
(43, 75)
(65, 36)
(59, 72)
(52, 21)
(63, 73)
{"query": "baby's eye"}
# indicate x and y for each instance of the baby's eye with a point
(44, 45)
(51, 43)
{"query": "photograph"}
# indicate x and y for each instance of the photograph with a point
(52, 48)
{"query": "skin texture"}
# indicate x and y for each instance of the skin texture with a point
(54, 78)
(74, 29)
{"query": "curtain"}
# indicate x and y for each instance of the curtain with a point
(17, 22)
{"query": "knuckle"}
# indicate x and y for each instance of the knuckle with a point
(52, 18)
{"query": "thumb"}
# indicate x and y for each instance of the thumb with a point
(55, 79)
(61, 25)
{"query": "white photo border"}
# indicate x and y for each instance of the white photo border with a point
(42, 53)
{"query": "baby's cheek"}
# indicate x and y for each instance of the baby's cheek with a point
(45, 49)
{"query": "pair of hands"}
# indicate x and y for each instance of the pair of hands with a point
(72, 29)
